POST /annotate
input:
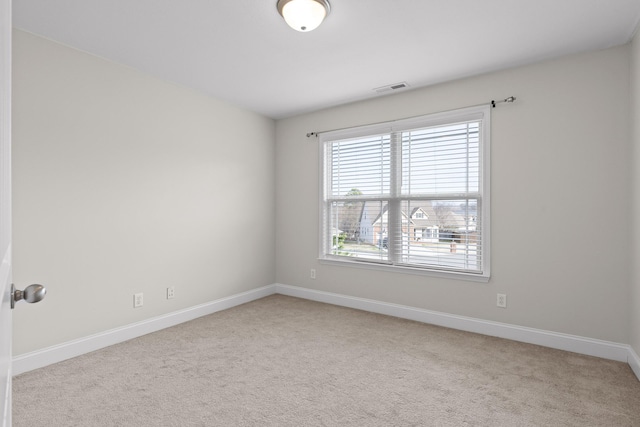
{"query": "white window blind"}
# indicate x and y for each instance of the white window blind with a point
(410, 194)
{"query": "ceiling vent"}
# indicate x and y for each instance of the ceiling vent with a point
(392, 87)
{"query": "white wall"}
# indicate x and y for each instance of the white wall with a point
(124, 183)
(115, 193)
(634, 300)
(560, 192)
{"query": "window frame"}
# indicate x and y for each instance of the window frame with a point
(478, 113)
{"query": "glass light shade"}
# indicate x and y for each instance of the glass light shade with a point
(304, 15)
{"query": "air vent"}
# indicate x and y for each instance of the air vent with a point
(392, 87)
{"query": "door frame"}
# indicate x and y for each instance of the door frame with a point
(5, 213)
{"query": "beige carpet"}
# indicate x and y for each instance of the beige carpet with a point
(282, 361)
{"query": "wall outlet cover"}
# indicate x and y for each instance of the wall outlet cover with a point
(138, 300)
(502, 301)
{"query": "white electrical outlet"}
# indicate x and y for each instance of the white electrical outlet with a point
(137, 300)
(313, 273)
(171, 292)
(502, 301)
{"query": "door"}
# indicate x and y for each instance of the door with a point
(5, 212)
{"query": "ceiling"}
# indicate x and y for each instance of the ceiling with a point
(242, 51)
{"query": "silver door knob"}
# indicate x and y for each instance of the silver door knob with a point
(32, 293)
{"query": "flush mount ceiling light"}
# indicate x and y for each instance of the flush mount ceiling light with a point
(304, 15)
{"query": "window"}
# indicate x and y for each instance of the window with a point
(409, 195)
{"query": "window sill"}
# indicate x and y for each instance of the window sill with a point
(481, 278)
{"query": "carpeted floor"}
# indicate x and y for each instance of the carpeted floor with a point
(282, 361)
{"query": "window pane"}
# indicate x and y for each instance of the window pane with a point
(359, 229)
(360, 166)
(441, 234)
(441, 160)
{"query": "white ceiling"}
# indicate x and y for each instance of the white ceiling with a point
(243, 52)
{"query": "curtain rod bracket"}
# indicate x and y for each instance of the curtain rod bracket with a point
(509, 99)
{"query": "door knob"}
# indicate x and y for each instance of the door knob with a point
(32, 293)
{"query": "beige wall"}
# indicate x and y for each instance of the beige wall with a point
(560, 198)
(124, 183)
(634, 300)
(115, 193)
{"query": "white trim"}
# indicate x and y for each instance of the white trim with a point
(391, 129)
(405, 269)
(57, 353)
(588, 346)
(5, 208)
(6, 420)
(573, 343)
(634, 362)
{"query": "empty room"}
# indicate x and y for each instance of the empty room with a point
(320, 213)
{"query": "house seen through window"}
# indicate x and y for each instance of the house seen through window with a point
(410, 194)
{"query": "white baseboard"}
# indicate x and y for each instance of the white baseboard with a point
(573, 343)
(588, 346)
(40, 358)
(634, 362)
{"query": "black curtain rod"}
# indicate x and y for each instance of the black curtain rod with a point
(492, 103)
